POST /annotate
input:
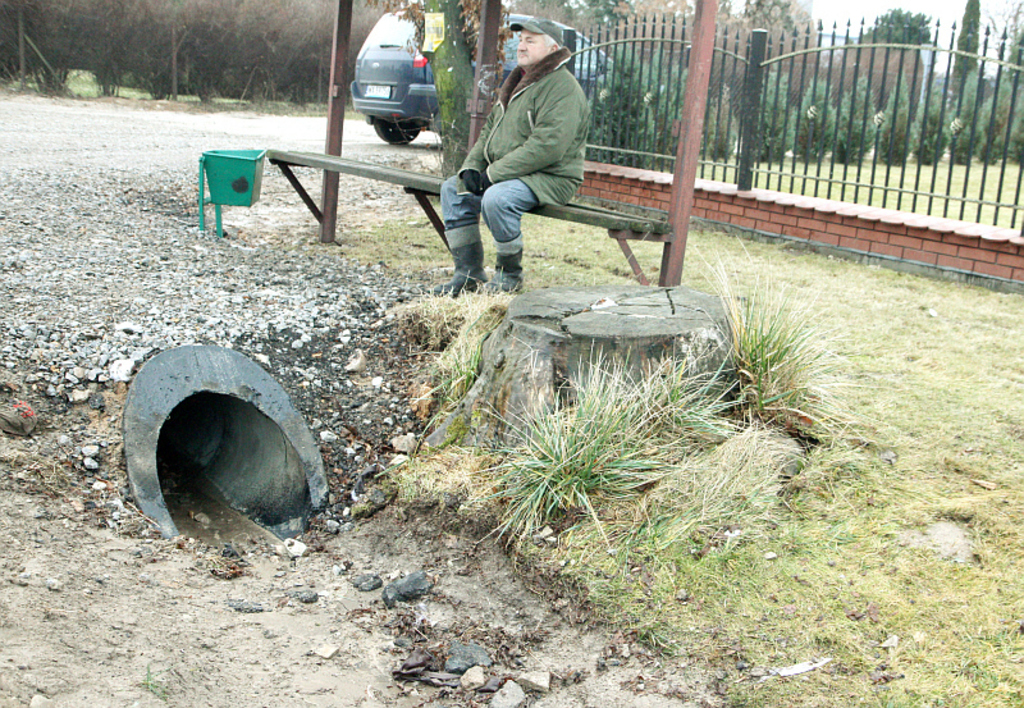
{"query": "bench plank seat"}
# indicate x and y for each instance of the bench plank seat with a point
(620, 226)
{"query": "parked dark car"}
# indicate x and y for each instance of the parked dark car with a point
(394, 84)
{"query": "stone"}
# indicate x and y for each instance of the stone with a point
(539, 681)
(78, 396)
(462, 657)
(307, 597)
(511, 695)
(473, 679)
(121, 370)
(327, 651)
(90, 450)
(374, 501)
(367, 582)
(357, 362)
(295, 547)
(39, 701)
(551, 339)
(404, 443)
(408, 588)
(54, 584)
(127, 327)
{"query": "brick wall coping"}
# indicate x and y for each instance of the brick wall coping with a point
(826, 206)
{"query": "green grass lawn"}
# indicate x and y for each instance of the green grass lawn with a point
(939, 381)
(974, 189)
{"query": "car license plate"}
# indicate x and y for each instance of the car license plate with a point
(378, 91)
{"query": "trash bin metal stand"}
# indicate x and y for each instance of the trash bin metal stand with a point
(202, 200)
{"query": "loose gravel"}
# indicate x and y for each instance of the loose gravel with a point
(102, 265)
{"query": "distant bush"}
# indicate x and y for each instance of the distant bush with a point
(894, 130)
(931, 136)
(248, 49)
(965, 132)
(814, 124)
(777, 121)
(855, 131)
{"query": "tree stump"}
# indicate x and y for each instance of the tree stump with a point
(550, 338)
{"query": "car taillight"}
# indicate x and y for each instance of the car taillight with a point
(420, 61)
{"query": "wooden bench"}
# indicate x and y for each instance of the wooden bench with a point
(638, 225)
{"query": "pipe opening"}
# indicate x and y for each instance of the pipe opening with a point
(217, 448)
(209, 420)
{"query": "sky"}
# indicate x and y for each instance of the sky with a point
(947, 11)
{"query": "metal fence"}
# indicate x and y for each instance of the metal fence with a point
(872, 116)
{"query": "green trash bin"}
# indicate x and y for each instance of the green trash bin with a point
(233, 177)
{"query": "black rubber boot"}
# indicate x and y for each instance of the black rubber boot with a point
(508, 274)
(468, 254)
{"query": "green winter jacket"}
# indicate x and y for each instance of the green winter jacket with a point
(537, 132)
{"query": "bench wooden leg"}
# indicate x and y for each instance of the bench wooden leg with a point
(297, 186)
(428, 209)
(620, 238)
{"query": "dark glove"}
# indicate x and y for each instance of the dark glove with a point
(476, 182)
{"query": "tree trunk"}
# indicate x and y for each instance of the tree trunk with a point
(550, 338)
(453, 78)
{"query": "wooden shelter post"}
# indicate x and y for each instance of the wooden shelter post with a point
(691, 126)
(337, 97)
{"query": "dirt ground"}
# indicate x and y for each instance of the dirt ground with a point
(101, 614)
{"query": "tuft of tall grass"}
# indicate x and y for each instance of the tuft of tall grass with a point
(788, 375)
(618, 438)
(687, 408)
(598, 449)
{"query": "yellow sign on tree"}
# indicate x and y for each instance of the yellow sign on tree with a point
(433, 31)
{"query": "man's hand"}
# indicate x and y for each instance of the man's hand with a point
(476, 182)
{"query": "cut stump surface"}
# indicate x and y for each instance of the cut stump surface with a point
(550, 338)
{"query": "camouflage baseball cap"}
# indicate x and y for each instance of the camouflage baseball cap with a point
(539, 26)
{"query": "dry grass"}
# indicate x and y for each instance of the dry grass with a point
(441, 476)
(940, 376)
(733, 486)
(455, 329)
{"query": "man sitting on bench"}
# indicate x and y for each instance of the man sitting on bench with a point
(530, 153)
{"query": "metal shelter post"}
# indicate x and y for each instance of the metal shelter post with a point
(750, 124)
(691, 126)
(337, 96)
(487, 72)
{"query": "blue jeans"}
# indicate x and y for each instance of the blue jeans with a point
(502, 206)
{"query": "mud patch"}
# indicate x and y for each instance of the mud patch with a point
(945, 538)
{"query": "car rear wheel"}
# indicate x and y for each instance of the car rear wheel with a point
(395, 133)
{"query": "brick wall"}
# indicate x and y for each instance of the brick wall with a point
(960, 250)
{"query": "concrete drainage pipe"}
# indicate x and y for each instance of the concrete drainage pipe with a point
(211, 418)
